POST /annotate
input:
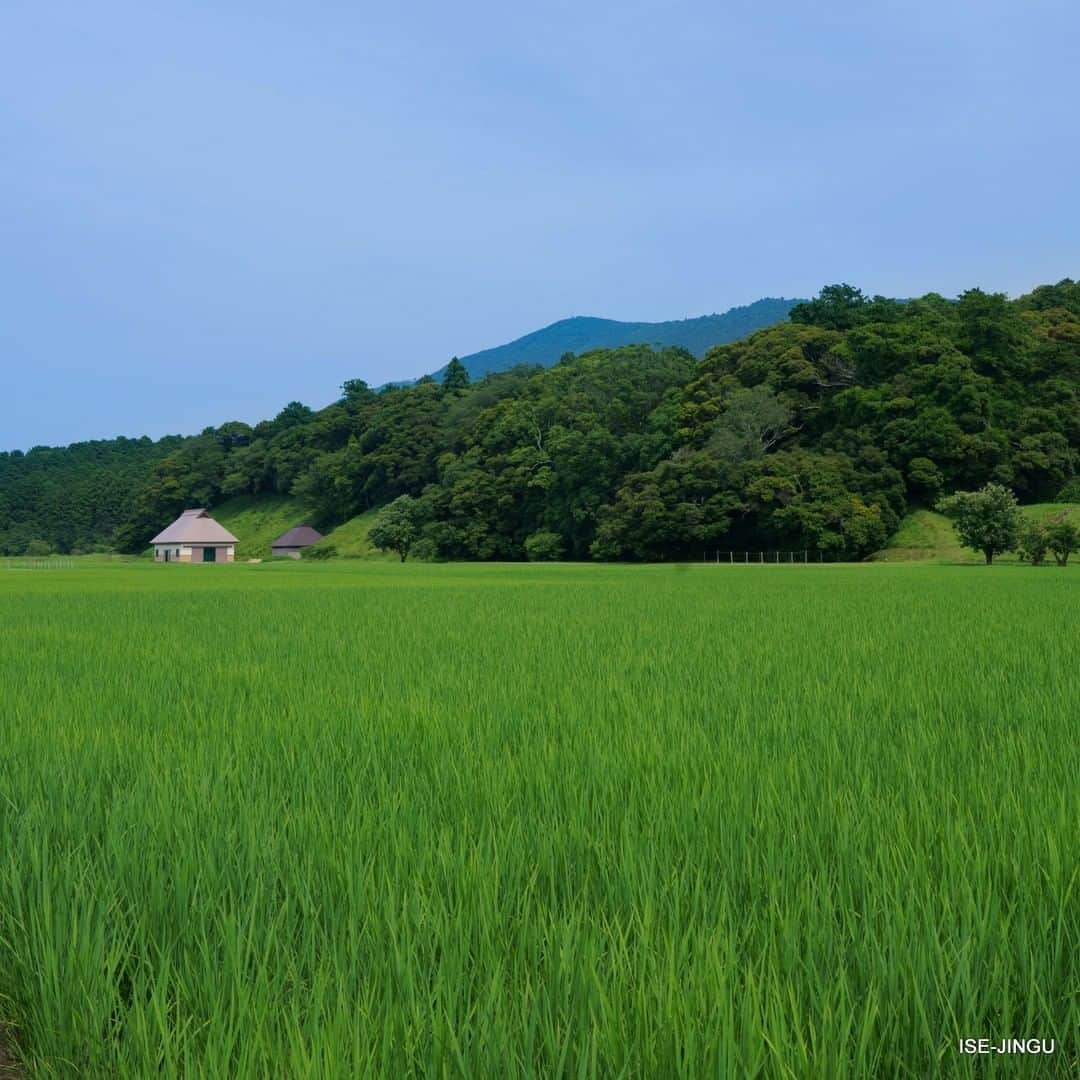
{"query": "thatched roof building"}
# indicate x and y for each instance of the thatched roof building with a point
(295, 540)
(195, 537)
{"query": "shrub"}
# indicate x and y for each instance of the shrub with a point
(320, 551)
(1034, 542)
(544, 547)
(1071, 491)
(425, 550)
(39, 548)
(1063, 538)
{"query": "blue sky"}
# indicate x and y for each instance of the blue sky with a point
(210, 209)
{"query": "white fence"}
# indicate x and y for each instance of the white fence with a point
(766, 558)
(51, 562)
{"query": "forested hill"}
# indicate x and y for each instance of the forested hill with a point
(584, 333)
(819, 432)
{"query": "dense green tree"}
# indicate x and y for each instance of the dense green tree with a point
(356, 392)
(397, 527)
(754, 420)
(924, 479)
(1034, 542)
(1062, 538)
(544, 546)
(455, 377)
(675, 510)
(798, 499)
(234, 434)
(987, 520)
(842, 307)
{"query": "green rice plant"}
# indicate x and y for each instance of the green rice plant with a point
(342, 819)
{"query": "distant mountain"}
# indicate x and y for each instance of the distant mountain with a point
(582, 333)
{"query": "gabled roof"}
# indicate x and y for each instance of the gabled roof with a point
(300, 536)
(195, 527)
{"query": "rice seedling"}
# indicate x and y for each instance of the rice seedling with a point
(547, 820)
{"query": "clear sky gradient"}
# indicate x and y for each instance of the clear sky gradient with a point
(208, 209)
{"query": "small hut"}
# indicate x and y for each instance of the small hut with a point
(194, 537)
(295, 540)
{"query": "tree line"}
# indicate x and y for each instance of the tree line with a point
(819, 432)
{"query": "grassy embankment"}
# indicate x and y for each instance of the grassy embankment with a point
(925, 535)
(348, 819)
(257, 520)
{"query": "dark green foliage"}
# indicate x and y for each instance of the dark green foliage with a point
(843, 307)
(550, 457)
(988, 520)
(817, 434)
(1070, 492)
(74, 498)
(753, 421)
(823, 502)
(1064, 295)
(455, 378)
(544, 547)
(924, 479)
(356, 392)
(675, 510)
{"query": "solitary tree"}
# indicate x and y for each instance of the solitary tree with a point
(988, 520)
(397, 527)
(1062, 538)
(455, 377)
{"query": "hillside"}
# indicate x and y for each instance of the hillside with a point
(583, 333)
(929, 537)
(350, 540)
(820, 433)
(257, 520)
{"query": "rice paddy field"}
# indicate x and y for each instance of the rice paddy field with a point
(331, 820)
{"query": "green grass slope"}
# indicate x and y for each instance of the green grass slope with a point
(350, 539)
(925, 535)
(257, 520)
